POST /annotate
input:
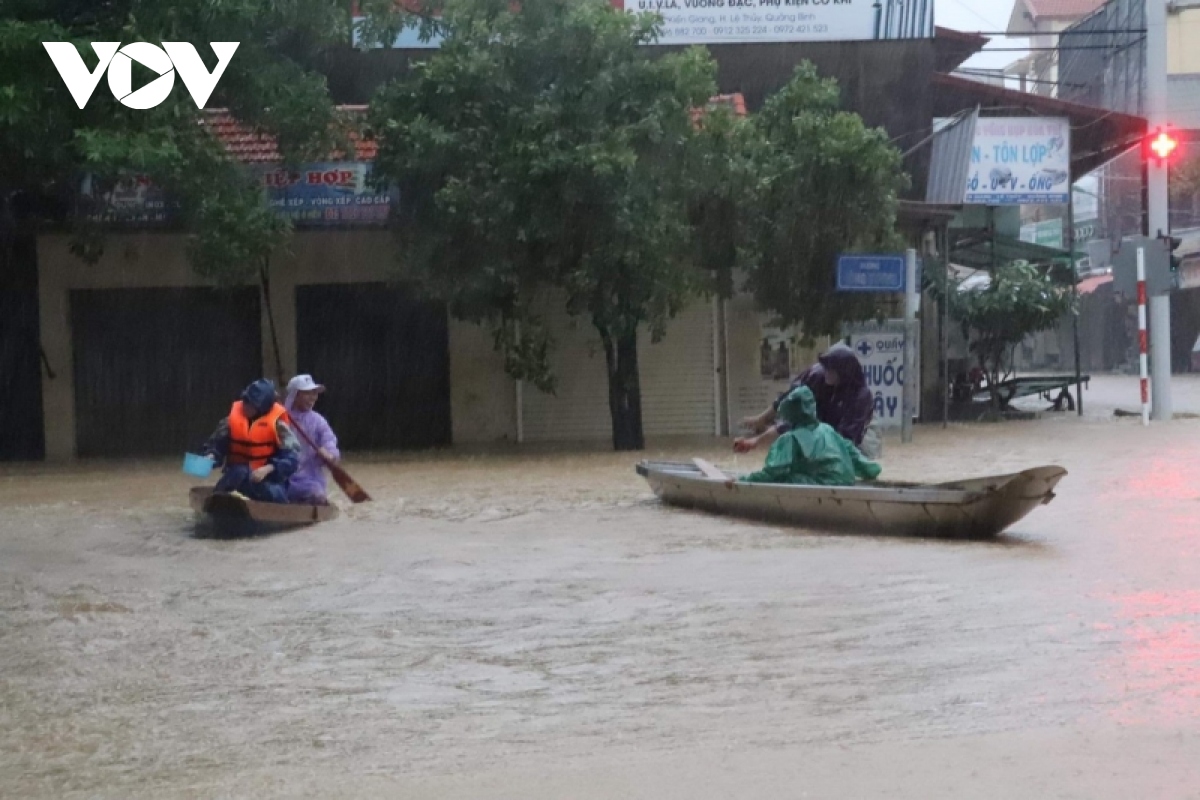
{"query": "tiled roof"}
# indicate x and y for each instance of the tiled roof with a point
(250, 147)
(734, 101)
(1062, 8)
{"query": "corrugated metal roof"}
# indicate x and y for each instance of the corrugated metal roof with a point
(1089, 285)
(1062, 8)
(950, 165)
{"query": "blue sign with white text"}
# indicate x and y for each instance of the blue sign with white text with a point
(327, 193)
(870, 273)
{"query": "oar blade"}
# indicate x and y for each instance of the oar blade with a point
(350, 486)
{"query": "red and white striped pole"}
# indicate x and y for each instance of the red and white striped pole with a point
(1143, 339)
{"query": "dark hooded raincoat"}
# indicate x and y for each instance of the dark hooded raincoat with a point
(812, 453)
(848, 407)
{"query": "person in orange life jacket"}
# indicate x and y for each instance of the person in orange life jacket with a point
(258, 449)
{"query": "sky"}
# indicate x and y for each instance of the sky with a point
(980, 15)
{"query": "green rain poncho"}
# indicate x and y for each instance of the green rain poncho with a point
(812, 453)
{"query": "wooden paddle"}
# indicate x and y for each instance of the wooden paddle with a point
(350, 486)
(709, 470)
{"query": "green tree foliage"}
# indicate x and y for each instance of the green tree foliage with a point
(825, 184)
(1020, 300)
(544, 150)
(272, 83)
(725, 161)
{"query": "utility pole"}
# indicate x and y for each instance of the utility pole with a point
(912, 298)
(1158, 203)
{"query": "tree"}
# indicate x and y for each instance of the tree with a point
(825, 184)
(272, 84)
(724, 171)
(1019, 300)
(543, 149)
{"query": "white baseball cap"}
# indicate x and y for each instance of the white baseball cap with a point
(304, 383)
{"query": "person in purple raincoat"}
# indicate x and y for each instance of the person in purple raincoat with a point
(844, 402)
(308, 483)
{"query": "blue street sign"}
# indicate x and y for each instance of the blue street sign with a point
(870, 273)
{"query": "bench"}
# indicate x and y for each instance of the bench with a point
(1041, 386)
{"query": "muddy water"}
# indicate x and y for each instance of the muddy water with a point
(538, 626)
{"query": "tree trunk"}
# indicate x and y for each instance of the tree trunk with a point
(264, 275)
(624, 391)
(992, 365)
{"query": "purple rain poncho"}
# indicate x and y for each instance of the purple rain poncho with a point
(308, 483)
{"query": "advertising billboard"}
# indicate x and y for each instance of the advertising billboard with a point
(763, 21)
(1020, 161)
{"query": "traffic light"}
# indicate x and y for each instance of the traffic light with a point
(1160, 146)
(1173, 243)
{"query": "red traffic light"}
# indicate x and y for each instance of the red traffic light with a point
(1161, 145)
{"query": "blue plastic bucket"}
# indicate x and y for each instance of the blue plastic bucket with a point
(198, 466)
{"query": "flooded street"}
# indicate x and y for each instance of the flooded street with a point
(537, 626)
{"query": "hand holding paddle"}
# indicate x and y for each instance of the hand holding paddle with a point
(348, 485)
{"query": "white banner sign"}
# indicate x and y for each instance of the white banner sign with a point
(1020, 161)
(734, 21)
(731, 21)
(880, 349)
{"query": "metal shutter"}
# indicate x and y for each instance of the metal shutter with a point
(679, 376)
(676, 375)
(155, 369)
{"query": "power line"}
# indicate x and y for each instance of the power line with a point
(973, 12)
(1034, 34)
(1063, 49)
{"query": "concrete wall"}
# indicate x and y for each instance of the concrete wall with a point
(1183, 41)
(482, 400)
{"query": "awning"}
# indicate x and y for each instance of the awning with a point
(977, 249)
(950, 163)
(1097, 134)
(1089, 285)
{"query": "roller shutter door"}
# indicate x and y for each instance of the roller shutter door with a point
(384, 353)
(677, 378)
(155, 369)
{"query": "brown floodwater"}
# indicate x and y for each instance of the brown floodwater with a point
(501, 624)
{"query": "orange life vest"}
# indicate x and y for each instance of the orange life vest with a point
(254, 442)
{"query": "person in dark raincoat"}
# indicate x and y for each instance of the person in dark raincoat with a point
(811, 453)
(257, 448)
(843, 402)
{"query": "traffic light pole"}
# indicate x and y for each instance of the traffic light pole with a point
(1158, 203)
(1070, 235)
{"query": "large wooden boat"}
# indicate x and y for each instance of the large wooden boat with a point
(976, 508)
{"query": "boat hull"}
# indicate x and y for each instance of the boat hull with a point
(238, 515)
(978, 508)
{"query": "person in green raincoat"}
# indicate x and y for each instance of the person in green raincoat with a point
(812, 453)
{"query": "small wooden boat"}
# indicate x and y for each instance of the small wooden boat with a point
(234, 513)
(978, 508)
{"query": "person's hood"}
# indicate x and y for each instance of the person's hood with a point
(300, 383)
(799, 409)
(842, 360)
(261, 395)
